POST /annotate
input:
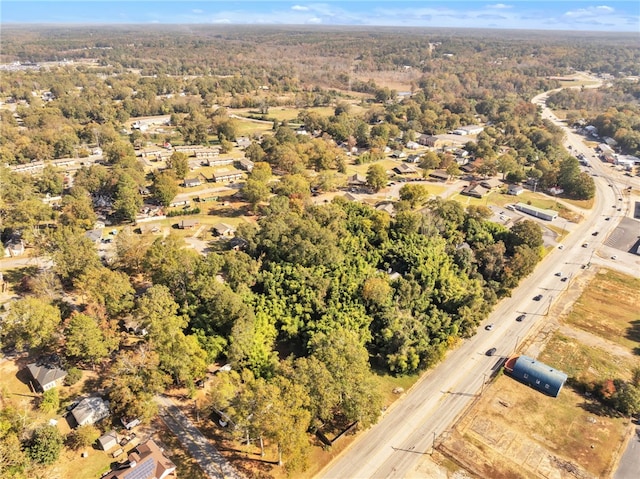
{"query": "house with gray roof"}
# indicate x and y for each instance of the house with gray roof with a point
(90, 410)
(46, 376)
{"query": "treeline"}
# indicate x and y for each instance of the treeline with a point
(320, 296)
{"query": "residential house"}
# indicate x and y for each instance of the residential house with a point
(491, 183)
(440, 175)
(413, 145)
(243, 142)
(94, 235)
(475, 190)
(146, 461)
(192, 182)
(14, 247)
(515, 190)
(350, 197)
(357, 180)
(413, 159)
(387, 207)
(405, 169)
(46, 376)
(90, 410)
(188, 224)
(223, 229)
(238, 244)
(398, 154)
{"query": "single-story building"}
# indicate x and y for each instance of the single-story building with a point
(14, 247)
(244, 164)
(188, 224)
(238, 244)
(350, 197)
(147, 461)
(405, 169)
(208, 153)
(475, 190)
(46, 376)
(90, 410)
(223, 229)
(192, 182)
(541, 213)
(94, 235)
(398, 154)
(243, 142)
(357, 180)
(439, 175)
(491, 183)
(413, 159)
(387, 207)
(231, 175)
(469, 130)
(536, 374)
(442, 141)
(413, 145)
(515, 190)
(108, 441)
(218, 161)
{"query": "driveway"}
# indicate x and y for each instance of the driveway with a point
(212, 463)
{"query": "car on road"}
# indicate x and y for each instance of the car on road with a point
(607, 218)
(564, 279)
(559, 273)
(537, 297)
(491, 352)
(560, 246)
(614, 257)
(585, 245)
(595, 233)
(489, 327)
(521, 318)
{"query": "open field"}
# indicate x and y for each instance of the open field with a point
(514, 431)
(609, 309)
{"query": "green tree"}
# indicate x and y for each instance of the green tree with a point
(86, 341)
(72, 253)
(45, 446)
(127, 198)
(255, 192)
(255, 152)
(376, 177)
(261, 172)
(165, 187)
(294, 186)
(416, 194)
(179, 164)
(109, 289)
(83, 436)
(77, 209)
(50, 401)
(31, 323)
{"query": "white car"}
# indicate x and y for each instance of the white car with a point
(560, 246)
(614, 257)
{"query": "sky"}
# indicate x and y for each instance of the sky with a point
(582, 15)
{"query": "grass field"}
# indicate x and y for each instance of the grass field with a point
(515, 431)
(609, 309)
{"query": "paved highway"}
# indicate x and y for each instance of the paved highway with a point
(393, 447)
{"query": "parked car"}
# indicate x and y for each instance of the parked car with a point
(585, 245)
(564, 279)
(537, 297)
(491, 352)
(595, 233)
(560, 246)
(614, 257)
(489, 327)
(559, 273)
(521, 318)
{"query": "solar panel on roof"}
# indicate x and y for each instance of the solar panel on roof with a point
(142, 471)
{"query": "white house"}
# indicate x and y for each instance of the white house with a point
(90, 410)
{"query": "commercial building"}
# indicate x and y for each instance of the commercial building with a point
(536, 374)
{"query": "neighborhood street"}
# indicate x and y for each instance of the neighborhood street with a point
(199, 447)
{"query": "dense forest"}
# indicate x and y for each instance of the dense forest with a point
(319, 298)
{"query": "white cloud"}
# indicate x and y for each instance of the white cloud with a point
(499, 6)
(221, 20)
(299, 8)
(314, 21)
(197, 11)
(590, 11)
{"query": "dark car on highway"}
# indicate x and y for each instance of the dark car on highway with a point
(491, 352)
(537, 298)
(521, 317)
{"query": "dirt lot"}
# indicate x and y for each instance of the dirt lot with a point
(513, 431)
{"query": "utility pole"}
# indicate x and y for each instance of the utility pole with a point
(549, 306)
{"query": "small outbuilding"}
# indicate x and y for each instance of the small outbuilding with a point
(108, 441)
(536, 374)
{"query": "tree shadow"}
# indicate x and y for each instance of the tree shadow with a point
(596, 408)
(633, 333)
(18, 277)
